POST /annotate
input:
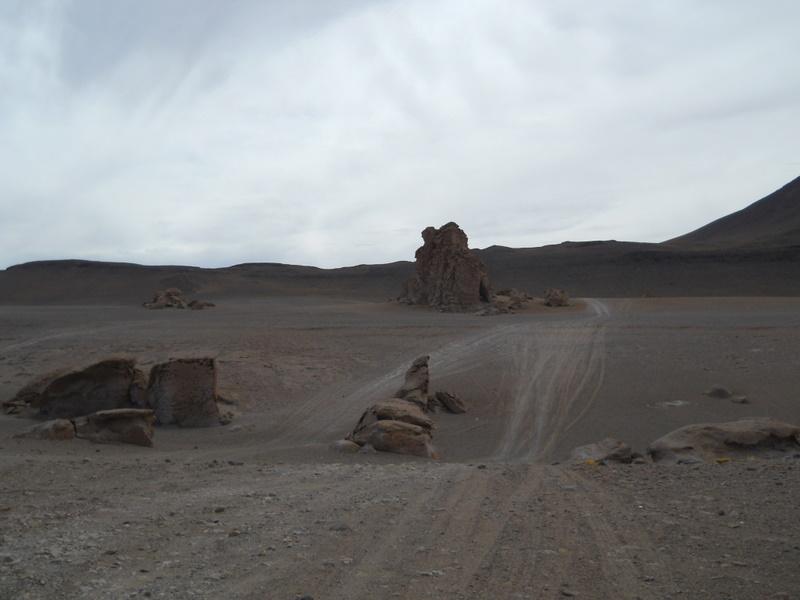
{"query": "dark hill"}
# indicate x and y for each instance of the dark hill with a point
(773, 221)
(753, 252)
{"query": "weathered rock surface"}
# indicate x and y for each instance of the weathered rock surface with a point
(556, 297)
(184, 392)
(389, 410)
(57, 429)
(604, 451)
(415, 385)
(708, 442)
(345, 447)
(448, 275)
(65, 394)
(120, 426)
(398, 437)
(169, 298)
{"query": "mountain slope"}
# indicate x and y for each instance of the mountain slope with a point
(773, 221)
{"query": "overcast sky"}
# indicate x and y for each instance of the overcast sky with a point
(331, 132)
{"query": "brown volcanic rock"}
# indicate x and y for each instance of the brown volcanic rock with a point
(121, 426)
(389, 410)
(169, 298)
(184, 392)
(415, 385)
(448, 275)
(708, 442)
(65, 394)
(399, 437)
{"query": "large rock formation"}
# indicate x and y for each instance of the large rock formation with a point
(400, 424)
(709, 442)
(556, 297)
(448, 275)
(184, 392)
(106, 385)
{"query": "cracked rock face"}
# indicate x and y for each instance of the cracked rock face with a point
(106, 385)
(183, 392)
(448, 275)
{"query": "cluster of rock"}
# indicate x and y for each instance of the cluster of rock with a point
(173, 298)
(449, 276)
(400, 424)
(723, 393)
(556, 297)
(705, 442)
(113, 401)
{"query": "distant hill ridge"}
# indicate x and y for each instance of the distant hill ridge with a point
(752, 252)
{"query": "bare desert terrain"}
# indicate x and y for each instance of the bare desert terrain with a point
(263, 508)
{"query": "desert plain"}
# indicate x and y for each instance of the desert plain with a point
(263, 508)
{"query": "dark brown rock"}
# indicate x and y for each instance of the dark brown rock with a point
(121, 426)
(448, 275)
(399, 437)
(184, 392)
(708, 442)
(103, 386)
(556, 297)
(57, 429)
(415, 385)
(389, 410)
(169, 298)
(605, 451)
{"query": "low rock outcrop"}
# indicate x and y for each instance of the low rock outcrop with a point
(609, 450)
(121, 426)
(709, 442)
(723, 393)
(401, 424)
(105, 385)
(57, 429)
(173, 298)
(168, 298)
(556, 297)
(448, 275)
(118, 426)
(183, 392)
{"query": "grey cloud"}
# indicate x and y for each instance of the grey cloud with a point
(331, 133)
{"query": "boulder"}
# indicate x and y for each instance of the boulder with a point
(398, 437)
(556, 297)
(448, 275)
(450, 402)
(605, 451)
(415, 385)
(57, 429)
(389, 410)
(184, 392)
(708, 442)
(168, 298)
(121, 426)
(65, 394)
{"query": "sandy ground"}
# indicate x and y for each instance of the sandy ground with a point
(263, 509)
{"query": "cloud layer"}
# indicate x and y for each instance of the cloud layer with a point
(211, 133)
